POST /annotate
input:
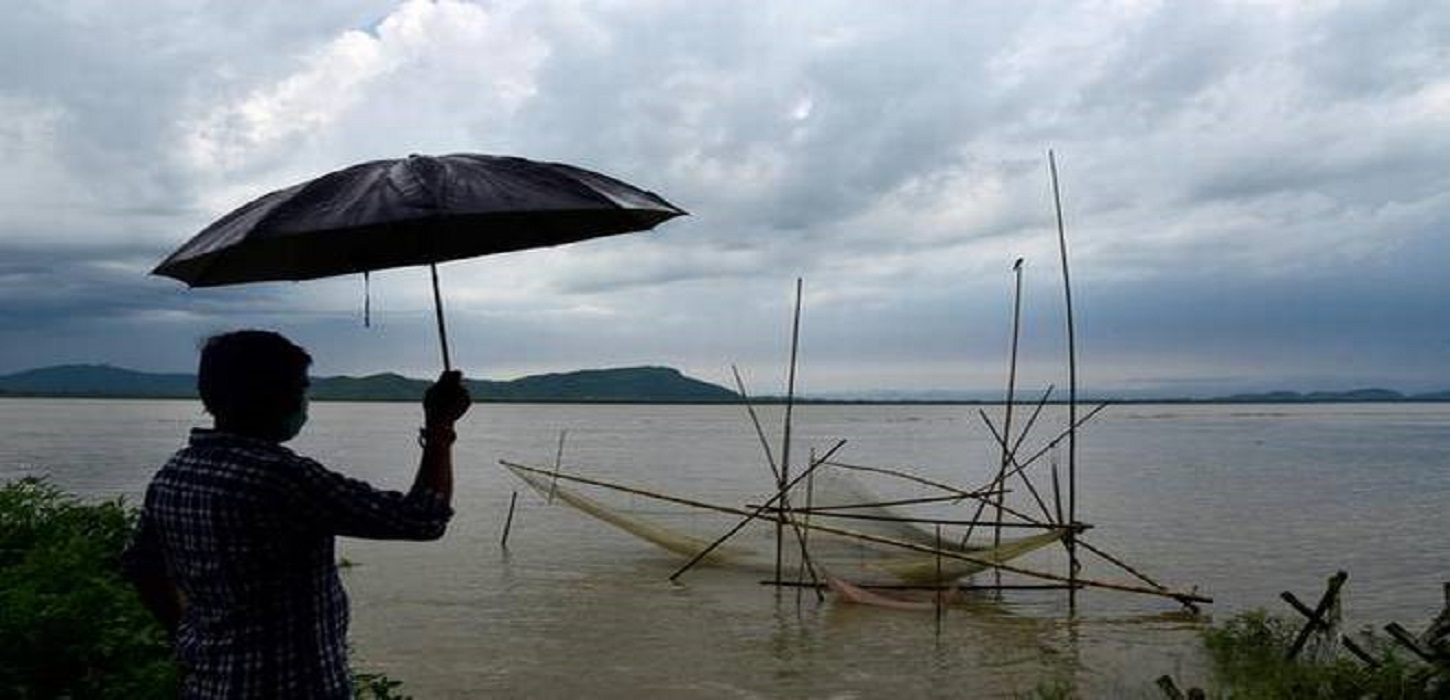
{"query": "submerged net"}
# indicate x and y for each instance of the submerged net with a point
(856, 558)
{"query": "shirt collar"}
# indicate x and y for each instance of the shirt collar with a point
(208, 437)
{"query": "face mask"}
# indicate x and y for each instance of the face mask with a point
(295, 421)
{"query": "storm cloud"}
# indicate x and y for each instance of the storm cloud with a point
(1255, 192)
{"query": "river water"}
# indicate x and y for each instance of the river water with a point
(1240, 501)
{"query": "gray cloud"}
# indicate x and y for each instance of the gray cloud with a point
(1254, 193)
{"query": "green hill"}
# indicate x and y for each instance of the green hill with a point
(96, 380)
(620, 385)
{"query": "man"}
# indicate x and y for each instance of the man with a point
(235, 552)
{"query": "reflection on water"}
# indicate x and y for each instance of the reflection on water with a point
(1245, 502)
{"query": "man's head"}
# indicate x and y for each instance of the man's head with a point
(254, 383)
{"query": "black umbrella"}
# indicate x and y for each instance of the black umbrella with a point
(419, 210)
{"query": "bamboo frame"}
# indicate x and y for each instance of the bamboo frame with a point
(1180, 596)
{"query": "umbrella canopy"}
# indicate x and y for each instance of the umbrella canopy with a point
(412, 211)
(419, 210)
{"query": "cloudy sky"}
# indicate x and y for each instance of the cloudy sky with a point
(1257, 193)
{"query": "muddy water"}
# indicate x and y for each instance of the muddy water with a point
(1242, 502)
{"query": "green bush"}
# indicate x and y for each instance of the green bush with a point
(70, 626)
(1249, 653)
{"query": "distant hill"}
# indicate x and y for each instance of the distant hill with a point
(1353, 396)
(97, 380)
(621, 385)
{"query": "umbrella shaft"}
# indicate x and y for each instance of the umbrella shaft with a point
(438, 311)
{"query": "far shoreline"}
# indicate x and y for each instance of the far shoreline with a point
(776, 401)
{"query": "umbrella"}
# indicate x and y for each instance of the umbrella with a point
(419, 210)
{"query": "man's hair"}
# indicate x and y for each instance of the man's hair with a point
(249, 374)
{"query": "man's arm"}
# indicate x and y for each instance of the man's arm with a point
(353, 508)
(443, 404)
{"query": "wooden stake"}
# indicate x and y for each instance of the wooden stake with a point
(1348, 643)
(1316, 617)
(508, 522)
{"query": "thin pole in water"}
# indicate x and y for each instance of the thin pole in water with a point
(438, 311)
(509, 521)
(1073, 565)
(795, 340)
(941, 585)
(1007, 451)
(558, 462)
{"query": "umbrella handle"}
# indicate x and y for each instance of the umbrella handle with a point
(438, 311)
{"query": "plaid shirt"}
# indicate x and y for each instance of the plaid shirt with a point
(245, 528)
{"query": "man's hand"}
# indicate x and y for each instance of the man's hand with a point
(446, 401)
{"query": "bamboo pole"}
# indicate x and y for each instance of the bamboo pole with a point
(910, 477)
(824, 512)
(1056, 493)
(941, 592)
(1058, 440)
(1180, 596)
(508, 522)
(795, 334)
(1073, 565)
(1033, 459)
(755, 420)
(780, 522)
(1032, 420)
(770, 461)
(903, 544)
(921, 587)
(1124, 566)
(804, 535)
(558, 462)
(1020, 473)
(960, 494)
(887, 504)
(1007, 456)
(1119, 563)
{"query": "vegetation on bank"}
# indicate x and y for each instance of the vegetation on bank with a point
(1250, 657)
(70, 625)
